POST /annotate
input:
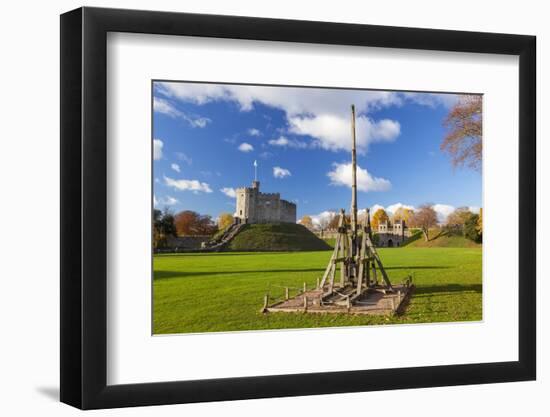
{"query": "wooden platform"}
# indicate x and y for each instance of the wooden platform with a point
(371, 301)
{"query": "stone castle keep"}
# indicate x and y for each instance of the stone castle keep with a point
(256, 207)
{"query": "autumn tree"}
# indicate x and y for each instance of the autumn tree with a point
(380, 216)
(403, 213)
(225, 220)
(307, 222)
(191, 223)
(334, 221)
(458, 217)
(463, 141)
(480, 222)
(324, 221)
(425, 218)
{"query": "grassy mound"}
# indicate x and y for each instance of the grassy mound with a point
(276, 237)
(440, 239)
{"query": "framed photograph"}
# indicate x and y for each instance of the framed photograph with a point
(257, 208)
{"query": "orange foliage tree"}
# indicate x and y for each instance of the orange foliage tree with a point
(380, 216)
(191, 223)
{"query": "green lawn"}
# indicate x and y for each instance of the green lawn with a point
(440, 239)
(205, 292)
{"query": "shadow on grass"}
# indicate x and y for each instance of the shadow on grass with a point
(235, 253)
(416, 267)
(449, 288)
(411, 239)
(182, 274)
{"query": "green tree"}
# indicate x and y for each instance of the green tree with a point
(163, 227)
(471, 229)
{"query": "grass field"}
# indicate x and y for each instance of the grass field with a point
(205, 292)
(439, 239)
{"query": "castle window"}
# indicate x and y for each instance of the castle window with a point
(241, 212)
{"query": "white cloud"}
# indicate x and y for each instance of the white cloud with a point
(391, 209)
(282, 141)
(175, 167)
(443, 211)
(375, 208)
(333, 132)
(245, 147)
(183, 157)
(167, 201)
(187, 185)
(230, 192)
(279, 172)
(293, 100)
(170, 201)
(321, 113)
(157, 149)
(322, 218)
(433, 100)
(254, 132)
(163, 106)
(342, 175)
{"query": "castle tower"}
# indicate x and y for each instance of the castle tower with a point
(256, 207)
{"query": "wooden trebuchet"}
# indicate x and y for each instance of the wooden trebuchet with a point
(358, 289)
(369, 260)
(355, 255)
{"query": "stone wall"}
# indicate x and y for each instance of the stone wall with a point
(288, 212)
(187, 242)
(268, 208)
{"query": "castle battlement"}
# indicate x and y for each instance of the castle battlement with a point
(254, 206)
(392, 234)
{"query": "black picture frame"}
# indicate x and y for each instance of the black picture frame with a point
(84, 207)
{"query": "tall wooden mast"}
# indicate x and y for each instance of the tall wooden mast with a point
(355, 254)
(353, 182)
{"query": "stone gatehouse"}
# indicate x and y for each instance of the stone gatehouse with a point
(256, 207)
(392, 235)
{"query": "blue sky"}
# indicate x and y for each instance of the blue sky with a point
(207, 136)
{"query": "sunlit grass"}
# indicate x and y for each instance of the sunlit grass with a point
(224, 291)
